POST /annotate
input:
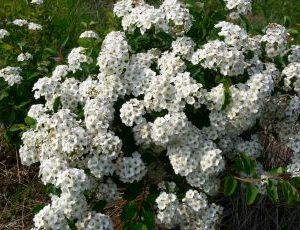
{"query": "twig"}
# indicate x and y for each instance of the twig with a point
(19, 178)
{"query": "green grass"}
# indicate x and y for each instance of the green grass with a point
(284, 12)
(63, 20)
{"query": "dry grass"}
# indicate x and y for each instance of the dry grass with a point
(20, 189)
(263, 215)
(20, 192)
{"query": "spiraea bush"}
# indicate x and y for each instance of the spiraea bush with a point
(170, 107)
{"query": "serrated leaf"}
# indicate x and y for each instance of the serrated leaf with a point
(230, 185)
(251, 193)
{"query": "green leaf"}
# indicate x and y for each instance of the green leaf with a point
(152, 196)
(31, 122)
(71, 223)
(149, 219)
(37, 208)
(51, 189)
(245, 22)
(148, 215)
(139, 226)
(227, 97)
(227, 92)
(133, 191)
(286, 21)
(272, 191)
(296, 182)
(290, 193)
(251, 193)
(249, 165)
(34, 75)
(239, 165)
(11, 117)
(129, 212)
(65, 42)
(277, 171)
(3, 94)
(17, 128)
(230, 185)
(57, 104)
(99, 206)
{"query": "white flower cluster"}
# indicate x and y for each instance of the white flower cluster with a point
(81, 149)
(34, 26)
(275, 40)
(193, 212)
(20, 22)
(218, 55)
(294, 55)
(145, 17)
(238, 7)
(292, 79)
(89, 34)
(37, 2)
(31, 25)
(3, 33)
(114, 54)
(11, 75)
(24, 57)
(76, 57)
(234, 35)
(248, 101)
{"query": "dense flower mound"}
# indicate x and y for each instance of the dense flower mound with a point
(78, 138)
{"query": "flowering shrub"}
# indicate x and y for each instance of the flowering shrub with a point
(33, 40)
(157, 113)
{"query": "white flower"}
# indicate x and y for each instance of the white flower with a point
(20, 22)
(3, 33)
(34, 26)
(131, 169)
(89, 34)
(76, 57)
(238, 7)
(24, 57)
(114, 54)
(11, 75)
(217, 54)
(275, 40)
(37, 2)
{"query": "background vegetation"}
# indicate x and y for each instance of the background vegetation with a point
(20, 192)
